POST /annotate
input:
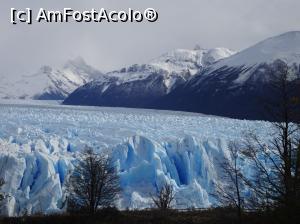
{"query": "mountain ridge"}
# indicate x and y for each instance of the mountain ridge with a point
(234, 87)
(142, 85)
(228, 87)
(49, 83)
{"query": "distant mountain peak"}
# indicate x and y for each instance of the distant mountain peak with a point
(49, 83)
(179, 60)
(285, 47)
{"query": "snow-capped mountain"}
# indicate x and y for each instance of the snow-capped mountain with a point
(213, 81)
(182, 59)
(284, 47)
(48, 83)
(236, 86)
(142, 85)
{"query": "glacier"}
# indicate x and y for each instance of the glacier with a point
(40, 143)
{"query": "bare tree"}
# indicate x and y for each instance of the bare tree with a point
(2, 195)
(277, 161)
(164, 198)
(229, 192)
(94, 182)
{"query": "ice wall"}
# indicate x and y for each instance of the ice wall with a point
(35, 172)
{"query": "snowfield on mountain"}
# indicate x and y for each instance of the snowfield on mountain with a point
(285, 47)
(217, 81)
(236, 86)
(48, 83)
(140, 86)
(39, 144)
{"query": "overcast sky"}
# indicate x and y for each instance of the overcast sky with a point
(235, 24)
